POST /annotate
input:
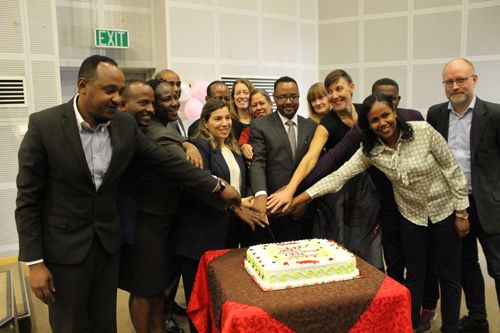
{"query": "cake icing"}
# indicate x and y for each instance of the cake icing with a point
(299, 263)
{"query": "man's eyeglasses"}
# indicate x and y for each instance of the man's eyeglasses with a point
(459, 81)
(283, 98)
(223, 98)
(172, 83)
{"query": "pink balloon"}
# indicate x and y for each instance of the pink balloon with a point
(192, 109)
(199, 90)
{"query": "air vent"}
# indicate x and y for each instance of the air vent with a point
(12, 91)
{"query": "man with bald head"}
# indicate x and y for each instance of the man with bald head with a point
(216, 89)
(172, 78)
(472, 128)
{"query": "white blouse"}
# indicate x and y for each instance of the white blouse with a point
(426, 178)
(234, 168)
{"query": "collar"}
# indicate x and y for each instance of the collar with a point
(295, 118)
(81, 123)
(469, 108)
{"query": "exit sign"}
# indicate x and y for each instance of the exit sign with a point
(111, 38)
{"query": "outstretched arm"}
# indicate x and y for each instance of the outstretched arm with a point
(281, 200)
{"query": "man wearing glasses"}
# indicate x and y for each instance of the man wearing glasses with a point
(472, 128)
(279, 142)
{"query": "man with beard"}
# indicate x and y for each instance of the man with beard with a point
(279, 142)
(472, 128)
(71, 161)
(147, 264)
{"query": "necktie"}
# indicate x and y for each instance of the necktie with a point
(291, 136)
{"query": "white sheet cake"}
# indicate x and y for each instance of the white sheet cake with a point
(299, 263)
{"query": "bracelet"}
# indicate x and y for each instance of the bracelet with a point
(463, 216)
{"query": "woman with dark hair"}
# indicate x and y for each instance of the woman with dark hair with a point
(201, 227)
(430, 191)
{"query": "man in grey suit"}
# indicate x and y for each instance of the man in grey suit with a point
(71, 161)
(279, 142)
(472, 128)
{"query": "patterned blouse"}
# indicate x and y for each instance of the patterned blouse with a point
(426, 178)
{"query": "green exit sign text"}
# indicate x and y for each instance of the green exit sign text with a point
(111, 38)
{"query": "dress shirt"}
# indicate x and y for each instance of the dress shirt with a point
(459, 138)
(96, 145)
(427, 180)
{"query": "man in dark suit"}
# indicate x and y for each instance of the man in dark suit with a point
(472, 128)
(279, 142)
(71, 161)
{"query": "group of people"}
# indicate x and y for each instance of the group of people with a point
(109, 200)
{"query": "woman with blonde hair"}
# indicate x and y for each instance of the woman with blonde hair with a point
(240, 106)
(317, 102)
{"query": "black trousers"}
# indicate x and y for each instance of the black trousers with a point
(85, 298)
(442, 238)
(472, 278)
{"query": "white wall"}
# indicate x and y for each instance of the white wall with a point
(410, 41)
(269, 38)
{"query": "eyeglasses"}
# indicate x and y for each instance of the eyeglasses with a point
(223, 98)
(459, 81)
(172, 83)
(283, 98)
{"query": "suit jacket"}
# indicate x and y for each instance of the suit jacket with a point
(485, 157)
(199, 226)
(58, 209)
(272, 165)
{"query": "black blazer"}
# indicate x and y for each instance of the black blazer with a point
(199, 226)
(58, 209)
(273, 165)
(485, 157)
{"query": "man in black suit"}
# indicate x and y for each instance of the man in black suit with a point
(71, 161)
(279, 142)
(472, 128)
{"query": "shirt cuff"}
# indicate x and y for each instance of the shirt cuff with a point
(30, 263)
(259, 193)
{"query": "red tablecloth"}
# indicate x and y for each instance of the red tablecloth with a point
(389, 311)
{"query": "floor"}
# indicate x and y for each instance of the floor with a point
(40, 323)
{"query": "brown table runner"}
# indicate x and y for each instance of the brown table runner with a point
(331, 307)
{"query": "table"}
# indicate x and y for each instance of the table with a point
(218, 304)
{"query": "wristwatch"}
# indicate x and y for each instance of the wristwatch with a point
(221, 186)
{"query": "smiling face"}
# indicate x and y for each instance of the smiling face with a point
(320, 105)
(388, 90)
(99, 97)
(459, 94)
(340, 94)
(138, 100)
(260, 106)
(167, 105)
(286, 97)
(382, 120)
(219, 124)
(241, 96)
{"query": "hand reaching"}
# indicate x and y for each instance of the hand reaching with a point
(251, 217)
(279, 202)
(231, 196)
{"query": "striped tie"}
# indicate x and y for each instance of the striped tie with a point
(291, 136)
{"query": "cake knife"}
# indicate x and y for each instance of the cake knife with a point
(271, 232)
